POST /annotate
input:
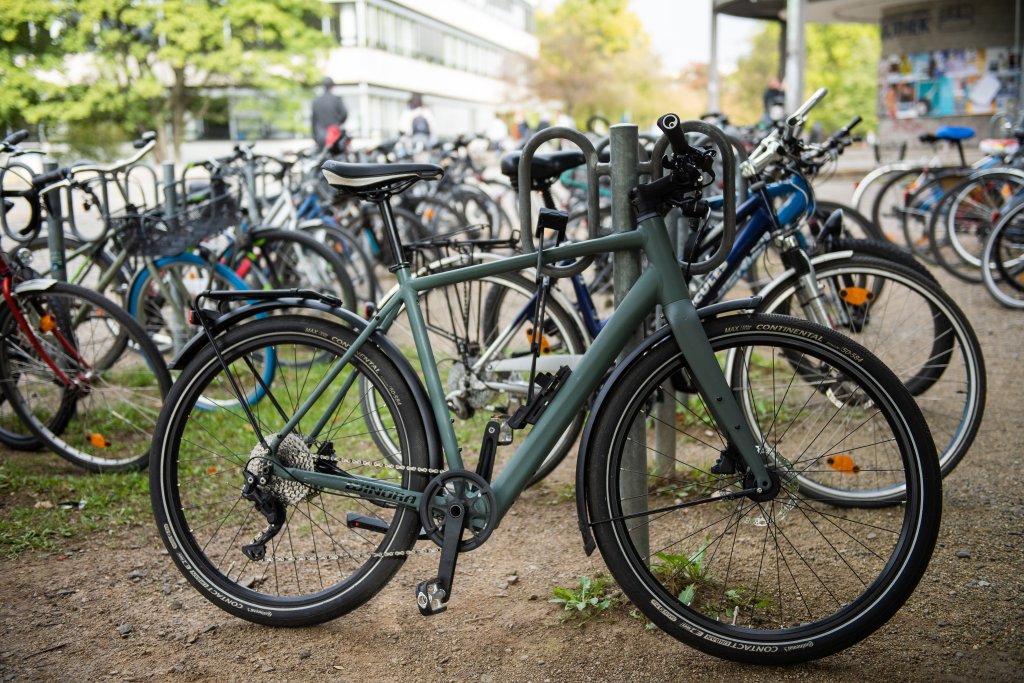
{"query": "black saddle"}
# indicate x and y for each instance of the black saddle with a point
(375, 178)
(545, 168)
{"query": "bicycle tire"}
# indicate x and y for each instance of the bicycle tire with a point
(110, 425)
(1003, 260)
(357, 262)
(960, 227)
(916, 213)
(945, 374)
(294, 259)
(890, 197)
(698, 572)
(198, 471)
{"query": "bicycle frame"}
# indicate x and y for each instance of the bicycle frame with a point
(752, 238)
(661, 283)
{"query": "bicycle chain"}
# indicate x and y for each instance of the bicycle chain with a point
(390, 466)
(352, 556)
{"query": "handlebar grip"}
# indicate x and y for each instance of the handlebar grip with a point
(812, 101)
(144, 139)
(15, 137)
(853, 123)
(45, 179)
(669, 125)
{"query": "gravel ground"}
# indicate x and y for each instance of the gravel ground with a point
(110, 606)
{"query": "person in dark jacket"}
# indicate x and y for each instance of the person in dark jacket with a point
(328, 110)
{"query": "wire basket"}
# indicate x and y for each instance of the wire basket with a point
(155, 233)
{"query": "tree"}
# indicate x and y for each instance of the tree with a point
(596, 58)
(149, 63)
(840, 57)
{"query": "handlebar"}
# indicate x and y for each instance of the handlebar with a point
(148, 141)
(669, 125)
(796, 119)
(14, 138)
(55, 176)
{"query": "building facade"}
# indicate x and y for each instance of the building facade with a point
(466, 57)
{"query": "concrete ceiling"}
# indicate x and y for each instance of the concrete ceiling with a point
(818, 11)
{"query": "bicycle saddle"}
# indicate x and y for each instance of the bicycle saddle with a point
(376, 177)
(545, 167)
(948, 134)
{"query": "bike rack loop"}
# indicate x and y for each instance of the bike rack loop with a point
(653, 167)
(594, 169)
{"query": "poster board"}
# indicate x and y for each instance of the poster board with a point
(965, 82)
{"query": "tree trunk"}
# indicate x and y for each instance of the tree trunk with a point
(177, 103)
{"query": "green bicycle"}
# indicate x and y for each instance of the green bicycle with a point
(697, 452)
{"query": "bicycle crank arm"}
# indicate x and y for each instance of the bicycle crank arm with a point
(433, 594)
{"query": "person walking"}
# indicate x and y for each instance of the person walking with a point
(417, 121)
(328, 110)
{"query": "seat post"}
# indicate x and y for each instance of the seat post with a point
(391, 232)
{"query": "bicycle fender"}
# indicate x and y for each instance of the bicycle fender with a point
(783, 278)
(350, 320)
(661, 336)
(39, 284)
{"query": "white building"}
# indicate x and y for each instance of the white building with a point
(466, 57)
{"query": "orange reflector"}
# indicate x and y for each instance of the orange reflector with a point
(47, 323)
(98, 440)
(843, 463)
(856, 296)
(545, 345)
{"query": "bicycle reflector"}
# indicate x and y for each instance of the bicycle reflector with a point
(47, 323)
(98, 440)
(843, 463)
(856, 296)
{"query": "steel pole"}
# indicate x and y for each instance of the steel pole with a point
(55, 227)
(633, 481)
(714, 87)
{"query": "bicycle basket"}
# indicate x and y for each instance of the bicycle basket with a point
(155, 233)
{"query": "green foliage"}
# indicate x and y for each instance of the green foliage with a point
(589, 599)
(840, 57)
(596, 57)
(682, 574)
(146, 64)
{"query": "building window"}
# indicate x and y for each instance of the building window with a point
(348, 34)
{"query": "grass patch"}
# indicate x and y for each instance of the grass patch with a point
(42, 508)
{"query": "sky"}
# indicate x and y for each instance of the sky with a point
(680, 32)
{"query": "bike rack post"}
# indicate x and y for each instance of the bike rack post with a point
(55, 228)
(170, 191)
(625, 172)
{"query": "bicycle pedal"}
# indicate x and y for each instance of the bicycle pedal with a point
(430, 597)
(356, 521)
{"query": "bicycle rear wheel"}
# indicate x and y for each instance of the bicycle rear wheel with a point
(319, 565)
(104, 421)
(776, 577)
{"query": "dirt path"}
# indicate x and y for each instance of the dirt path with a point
(112, 607)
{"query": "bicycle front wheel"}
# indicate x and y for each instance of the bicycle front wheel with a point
(320, 564)
(772, 577)
(916, 329)
(104, 420)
